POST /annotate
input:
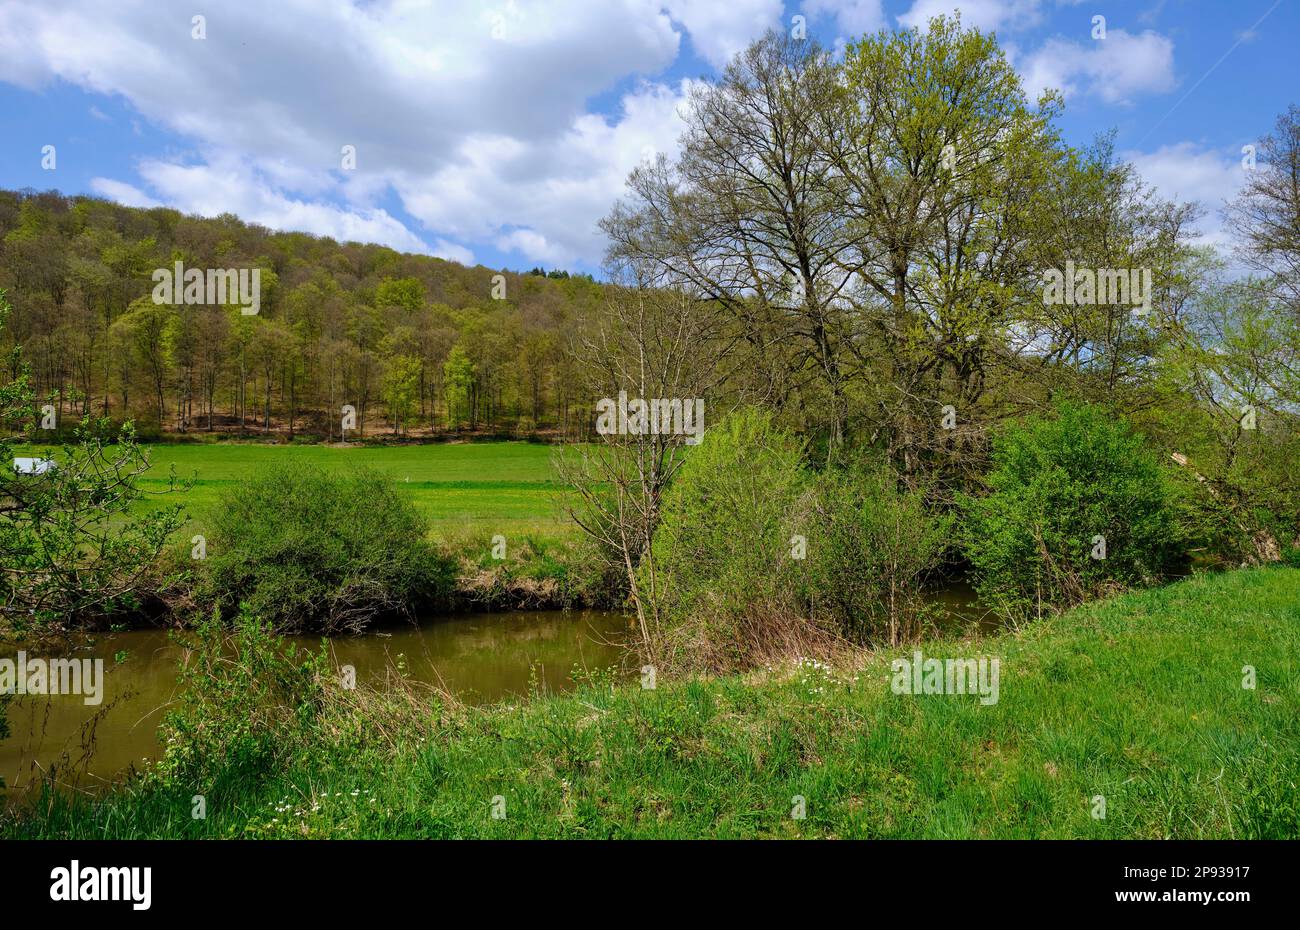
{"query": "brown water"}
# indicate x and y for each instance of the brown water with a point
(481, 658)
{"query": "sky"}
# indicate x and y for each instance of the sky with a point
(499, 133)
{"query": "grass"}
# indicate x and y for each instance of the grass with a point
(1138, 699)
(484, 488)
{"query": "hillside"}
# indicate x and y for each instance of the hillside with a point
(416, 344)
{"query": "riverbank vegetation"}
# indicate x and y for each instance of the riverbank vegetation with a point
(1131, 717)
(855, 267)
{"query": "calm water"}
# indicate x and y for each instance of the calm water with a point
(482, 658)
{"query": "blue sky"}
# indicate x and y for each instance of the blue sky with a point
(499, 133)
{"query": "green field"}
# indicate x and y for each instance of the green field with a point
(1140, 700)
(480, 488)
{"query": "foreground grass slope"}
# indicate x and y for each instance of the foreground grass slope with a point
(1138, 699)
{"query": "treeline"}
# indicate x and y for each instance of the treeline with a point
(415, 344)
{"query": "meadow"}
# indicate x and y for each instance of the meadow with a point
(478, 489)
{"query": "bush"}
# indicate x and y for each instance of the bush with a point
(722, 571)
(73, 548)
(301, 547)
(247, 702)
(1064, 490)
(870, 546)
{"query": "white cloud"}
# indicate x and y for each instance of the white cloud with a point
(985, 15)
(1187, 172)
(445, 248)
(476, 117)
(227, 184)
(123, 193)
(544, 200)
(1116, 69)
(721, 28)
(854, 18)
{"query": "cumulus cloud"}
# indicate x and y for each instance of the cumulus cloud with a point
(475, 116)
(122, 192)
(986, 15)
(229, 185)
(721, 28)
(854, 18)
(1186, 172)
(1117, 68)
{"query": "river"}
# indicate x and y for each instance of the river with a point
(480, 657)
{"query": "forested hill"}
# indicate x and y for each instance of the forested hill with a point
(415, 344)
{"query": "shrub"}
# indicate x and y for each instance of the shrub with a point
(73, 548)
(722, 572)
(246, 702)
(870, 546)
(303, 547)
(1062, 491)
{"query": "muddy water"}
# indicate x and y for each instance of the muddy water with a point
(481, 658)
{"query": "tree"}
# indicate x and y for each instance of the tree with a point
(401, 383)
(71, 549)
(750, 217)
(867, 224)
(1266, 214)
(406, 293)
(649, 344)
(146, 329)
(458, 378)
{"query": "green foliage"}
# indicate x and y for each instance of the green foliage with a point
(246, 701)
(73, 545)
(722, 552)
(80, 271)
(4, 723)
(756, 555)
(458, 376)
(1063, 491)
(870, 547)
(302, 547)
(407, 293)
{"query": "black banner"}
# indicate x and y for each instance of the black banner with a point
(976, 880)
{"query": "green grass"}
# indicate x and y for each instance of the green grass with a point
(1138, 699)
(484, 488)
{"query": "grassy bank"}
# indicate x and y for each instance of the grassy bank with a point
(1138, 699)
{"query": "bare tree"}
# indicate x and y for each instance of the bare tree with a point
(644, 345)
(1266, 215)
